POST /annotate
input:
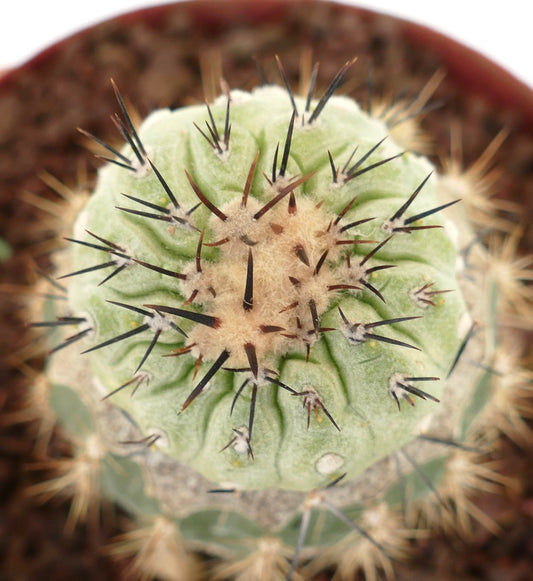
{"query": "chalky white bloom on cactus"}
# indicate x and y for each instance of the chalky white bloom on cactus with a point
(275, 300)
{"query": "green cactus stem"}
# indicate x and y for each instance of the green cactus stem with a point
(289, 337)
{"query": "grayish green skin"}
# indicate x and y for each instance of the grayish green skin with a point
(352, 380)
(174, 476)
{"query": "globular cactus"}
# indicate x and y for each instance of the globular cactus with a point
(291, 339)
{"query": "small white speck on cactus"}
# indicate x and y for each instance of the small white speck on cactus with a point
(279, 317)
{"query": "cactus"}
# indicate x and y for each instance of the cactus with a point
(291, 335)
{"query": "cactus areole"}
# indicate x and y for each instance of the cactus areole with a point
(272, 299)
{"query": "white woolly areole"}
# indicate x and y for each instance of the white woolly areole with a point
(465, 323)
(162, 437)
(451, 230)
(329, 463)
(81, 224)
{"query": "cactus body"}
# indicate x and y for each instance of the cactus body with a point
(286, 342)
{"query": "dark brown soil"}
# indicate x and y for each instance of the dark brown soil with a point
(158, 61)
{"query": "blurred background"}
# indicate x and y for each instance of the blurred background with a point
(499, 30)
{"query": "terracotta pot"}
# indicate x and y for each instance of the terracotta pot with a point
(157, 57)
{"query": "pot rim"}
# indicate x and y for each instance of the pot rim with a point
(475, 72)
